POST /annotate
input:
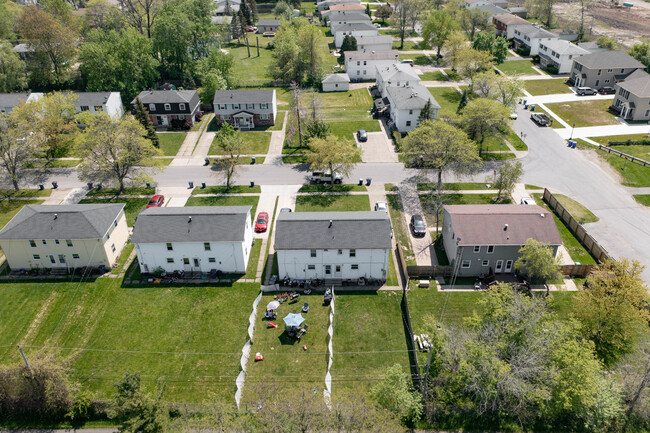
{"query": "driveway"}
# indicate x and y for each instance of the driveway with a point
(378, 148)
(411, 205)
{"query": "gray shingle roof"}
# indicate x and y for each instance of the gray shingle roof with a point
(336, 78)
(637, 83)
(510, 19)
(269, 22)
(492, 9)
(412, 97)
(190, 97)
(208, 224)
(484, 224)
(609, 59)
(310, 230)
(373, 55)
(71, 221)
(92, 98)
(244, 96)
(398, 72)
(353, 27)
(12, 99)
(348, 15)
(534, 32)
(377, 39)
(564, 47)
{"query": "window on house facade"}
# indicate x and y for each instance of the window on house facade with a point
(84, 108)
(485, 263)
(477, 248)
(181, 107)
(490, 249)
(186, 261)
(606, 81)
(68, 242)
(44, 242)
(56, 241)
(312, 253)
(364, 72)
(353, 253)
(113, 247)
(358, 72)
(340, 252)
(152, 107)
(408, 123)
(265, 116)
(235, 106)
(599, 71)
(32, 244)
(365, 63)
(168, 107)
(212, 260)
(466, 264)
(264, 106)
(647, 113)
(359, 63)
(36, 257)
(609, 70)
(410, 111)
(354, 267)
(206, 246)
(99, 108)
(328, 270)
(75, 255)
(170, 260)
(311, 267)
(170, 247)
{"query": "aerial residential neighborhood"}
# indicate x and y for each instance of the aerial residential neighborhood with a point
(318, 216)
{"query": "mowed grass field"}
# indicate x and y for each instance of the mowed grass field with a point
(448, 99)
(332, 203)
(253, 143)
(170, 142)
(546, 87)
(190, 338)
(9, 209)
(585, 113)
(346, 112)
(517, 67)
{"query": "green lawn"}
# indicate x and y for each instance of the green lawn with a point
(457, 186)
(497, 156)
(127, 191)
(408, 46)
(346, 112)
(579, 212)
(433, 76)
(514, 139)
(225, 200)
(254, 143)
(170, 142)
(221, 189)
(453, 76)
(632, 137)
(172, 335)
(247, 160)
(418, 59)
(448, 99)
(370, 323)
(132, 207)
(643, 199)
(546, 87)
(528, 186)
(25, 193)
(251, 269)
(346, 130)
(332, 203)
(294, 159)
(585, 113)
(400, 230)
(285, 360)
(429, 302)
(277, 126)
(9, 208)
(517, 67)
(391, 279)
(633, 174)
(332, 188)
(52, 163)
(121, 260)
(251, 71)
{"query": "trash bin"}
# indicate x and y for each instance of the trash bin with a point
(252, 160)
(525, 101)
(574, 144)
(252, 183)
(147, 184)
(99, 186)
(532, 107)
(360, 181)
(202, 185)
(90, 185)
(191, 183)
(41, 186)
(207, 161)
(368, 181)
(55, 185)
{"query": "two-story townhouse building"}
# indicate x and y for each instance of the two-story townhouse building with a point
(375, 43)
(193, 239)
(363, 64)
(405, 103)
(9, 100)
(340, 31)
(98, 102)
(268, 25)
(632, 98)
(557, 55)
(490, 11)
(65, 237)
(169, 107)
(396, 75)
(246, 108)
(528, 38)
(505, 24)
(336, 18)
(603, 69)
(333, 245)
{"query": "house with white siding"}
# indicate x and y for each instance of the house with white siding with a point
(340, 31)
(193, 239)
(405, 103)
(529, 37)
(333, 245)
(98, 102)
(375, 43)
(559, 54)
(336, 83)
(245, 108)
(65, 237)
(335, 18)
(363, 64)
(395, 75)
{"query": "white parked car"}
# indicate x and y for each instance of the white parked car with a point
(513, 116)
(527, 200)
(381, 206)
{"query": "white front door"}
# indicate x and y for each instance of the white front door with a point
(186, 265)
(508, 266)
(328, 271)
(337, 271)
(499, 266)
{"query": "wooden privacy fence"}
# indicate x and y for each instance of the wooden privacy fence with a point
(578, 231)
(429, 271)
(625, 155)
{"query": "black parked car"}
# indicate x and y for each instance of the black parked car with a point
(418, 228)
(607, 91)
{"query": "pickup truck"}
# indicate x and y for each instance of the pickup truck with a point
(540, 118)
(325, 177)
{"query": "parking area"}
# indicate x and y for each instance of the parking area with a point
(378, 148)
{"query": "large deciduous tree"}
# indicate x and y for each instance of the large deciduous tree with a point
(114, 150)
(507, 177)
(481, 116)
(171, 36)
(537, 261)
(52, 118)
(454, 44)
(12, 70)
(138, 411)
(333, 154)
(17, 144)
(396, 394)
(472, 20)
(542, 9)
(470, 62)
(495, 45)
(442, 147)
(640, 51)
(437, 28)
(383, 12)
(230, 141)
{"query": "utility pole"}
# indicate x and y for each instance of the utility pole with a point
(248, 47)
(257, 39)
(24, 357)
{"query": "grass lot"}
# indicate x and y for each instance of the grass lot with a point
(514, 139)
(294, 159)
(448, 99)
(284, 357)
(332, 203)
(517, 67)
(279, 120)
(453, 76)
(170, 142)
(250, 71)
(9, 208)
(247, 160)
(391, 278)
(367, 322)
(632, 173)
(418, 59)
(632, 137)
(346, 130)
(408, 46)
(127, 191)
(497, 156)
(584, 113)
(332, 188)
(433, 76)
(577, 252)
(487, 198)
(225, 200)
(254, 143)
(579, 212)
(132, 207)
(121, 260)
(458, 186)
(400, 229)
(25, 193)
(251, 269)
(643, 199)
(180, 348)
(346, 112)
(221, 189)
(546, 87)
(528, 186)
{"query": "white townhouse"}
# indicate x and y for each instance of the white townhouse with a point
(559, 54)
(395, 75)
(326, 4)
(336, 18)
(97, 102)
(363, 64)
(333, 245)
(375, 43)
(505, 24)
(340, 31)
(531, 36)
(193, 239)
(9, 100)
(245, 108)
(65, 236)
(405, 103)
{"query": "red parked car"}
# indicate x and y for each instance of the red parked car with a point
(156, 201)
(262, 222)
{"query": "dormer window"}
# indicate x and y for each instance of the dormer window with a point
(181, 106)
(152, 107)
(168, 107)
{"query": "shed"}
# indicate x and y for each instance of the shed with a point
(336, 83)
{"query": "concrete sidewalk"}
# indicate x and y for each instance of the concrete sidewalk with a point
(603, 131)
(564, 97)
(274, 154)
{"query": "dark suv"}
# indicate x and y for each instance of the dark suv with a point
(418, 228)
(607, 91)
(540, 118)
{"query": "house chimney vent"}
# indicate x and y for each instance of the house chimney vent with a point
(330, 226)
(56, 216)
(542, 215)
(189, 220)
(505, 227)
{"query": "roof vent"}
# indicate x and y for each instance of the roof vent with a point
(330, 226)
(505, 227)
(373, 51)
(56, 216)
(542, 215)
(189, 220)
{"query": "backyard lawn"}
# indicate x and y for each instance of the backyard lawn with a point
(368, 338)
(448, 99)
(517, 67)
(190, 338)
(400, 229)
(254, 143)
(9, 209)
(170, 142)
(546, 87)
(585, 113)
(225, 200)
(643, 199)
(579, 212)
(132, 207)
(332, 203)
(25, 193)
(433, 76)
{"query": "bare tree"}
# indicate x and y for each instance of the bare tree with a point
(17, 145)
(296, 114)
(141, 14)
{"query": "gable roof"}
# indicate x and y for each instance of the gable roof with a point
(492, 9)
(191, 224)
(190, 97)
(92, 98)
(336, 78)
(535, 32)
(372, 55)
(353, 27)
(374, 40)
(347, 7)
(561, 46)
(412, 97)
(10, 100)
(637, 83)
(510, 19)
(349, 230)
(269, 22)
(347, 15)
(609, 59)
(245, 96)
(485, 224)
(70, 221)
(397, 72)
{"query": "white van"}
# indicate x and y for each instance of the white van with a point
(325, 177)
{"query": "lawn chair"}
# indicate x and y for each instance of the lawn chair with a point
(301, 331)
(305, 307)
